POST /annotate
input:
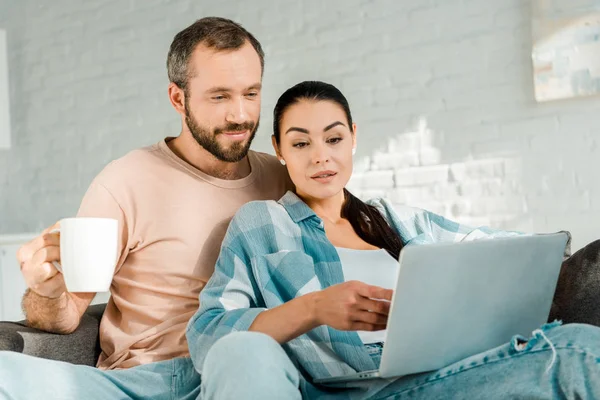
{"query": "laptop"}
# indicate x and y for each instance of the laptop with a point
(455, 300)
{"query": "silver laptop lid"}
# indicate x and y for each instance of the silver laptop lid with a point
(454, 300)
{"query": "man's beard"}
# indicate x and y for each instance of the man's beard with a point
(208, 140)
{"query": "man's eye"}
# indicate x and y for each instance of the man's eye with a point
(300, 145)
(218, 98)
(253, 94)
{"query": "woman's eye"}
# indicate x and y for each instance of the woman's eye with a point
(300, 145)
(334, 140)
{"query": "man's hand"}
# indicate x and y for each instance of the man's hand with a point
(36, 258)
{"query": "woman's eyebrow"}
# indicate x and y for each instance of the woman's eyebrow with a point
(303, 130)
(295, 128)
(333, 125)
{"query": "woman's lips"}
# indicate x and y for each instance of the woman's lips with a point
(324, 176)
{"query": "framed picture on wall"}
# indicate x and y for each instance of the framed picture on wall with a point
(566, 54)
(4, 95)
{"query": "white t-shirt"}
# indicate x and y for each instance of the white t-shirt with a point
(373, 267)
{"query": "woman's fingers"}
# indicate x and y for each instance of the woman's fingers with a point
(370, 318)
(362, 326)
(375, 306)
(375, 292)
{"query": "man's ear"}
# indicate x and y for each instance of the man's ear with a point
(177, 98)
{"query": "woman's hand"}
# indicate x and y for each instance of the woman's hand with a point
(349, 306)
(353, 306)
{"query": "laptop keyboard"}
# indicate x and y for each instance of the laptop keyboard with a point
(374, 350)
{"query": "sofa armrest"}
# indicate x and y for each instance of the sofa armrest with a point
(577, 296)
(79, 347)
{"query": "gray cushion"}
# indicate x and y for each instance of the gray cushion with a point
(79, 347)
(577, 297)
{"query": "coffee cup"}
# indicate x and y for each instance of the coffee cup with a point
(88, 253)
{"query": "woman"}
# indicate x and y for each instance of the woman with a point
(294, 270)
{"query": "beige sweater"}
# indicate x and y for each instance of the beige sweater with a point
(172, 219)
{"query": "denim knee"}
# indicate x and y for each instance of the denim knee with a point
(12, 373)
(241, 350)
(576, 335)
(249, 365)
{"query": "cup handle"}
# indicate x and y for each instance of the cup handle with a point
(56, 263)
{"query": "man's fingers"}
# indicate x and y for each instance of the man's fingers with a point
(51, 228)
(53, 287)
(40, 274)
(27, 251)
(40, 268)
(46, 254)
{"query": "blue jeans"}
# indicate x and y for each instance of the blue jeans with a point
(556, 362)
(26, 377)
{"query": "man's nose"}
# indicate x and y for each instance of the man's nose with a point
(237, 112)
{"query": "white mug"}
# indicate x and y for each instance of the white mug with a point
(88, 253)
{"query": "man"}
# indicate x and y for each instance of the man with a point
(173, 202)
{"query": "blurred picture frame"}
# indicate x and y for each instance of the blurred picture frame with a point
(566, 55)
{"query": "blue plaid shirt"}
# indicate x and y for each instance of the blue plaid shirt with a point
(274, 252)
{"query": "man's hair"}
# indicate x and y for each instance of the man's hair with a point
(216, 33)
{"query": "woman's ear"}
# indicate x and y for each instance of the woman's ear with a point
(275, 147)
(354, 136)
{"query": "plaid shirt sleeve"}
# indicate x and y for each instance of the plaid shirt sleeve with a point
(418, 226)
(228, 303)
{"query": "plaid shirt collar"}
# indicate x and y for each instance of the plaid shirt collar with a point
(296, 208)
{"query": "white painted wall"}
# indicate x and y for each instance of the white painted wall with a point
(88, 84)
(12, 284)
(4, 105)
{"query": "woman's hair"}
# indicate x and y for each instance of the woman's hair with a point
(367, 221)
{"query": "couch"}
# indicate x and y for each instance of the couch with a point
(577, 299)
(79, 347)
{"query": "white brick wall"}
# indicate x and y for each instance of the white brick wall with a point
(4, 105)
(88, 83)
